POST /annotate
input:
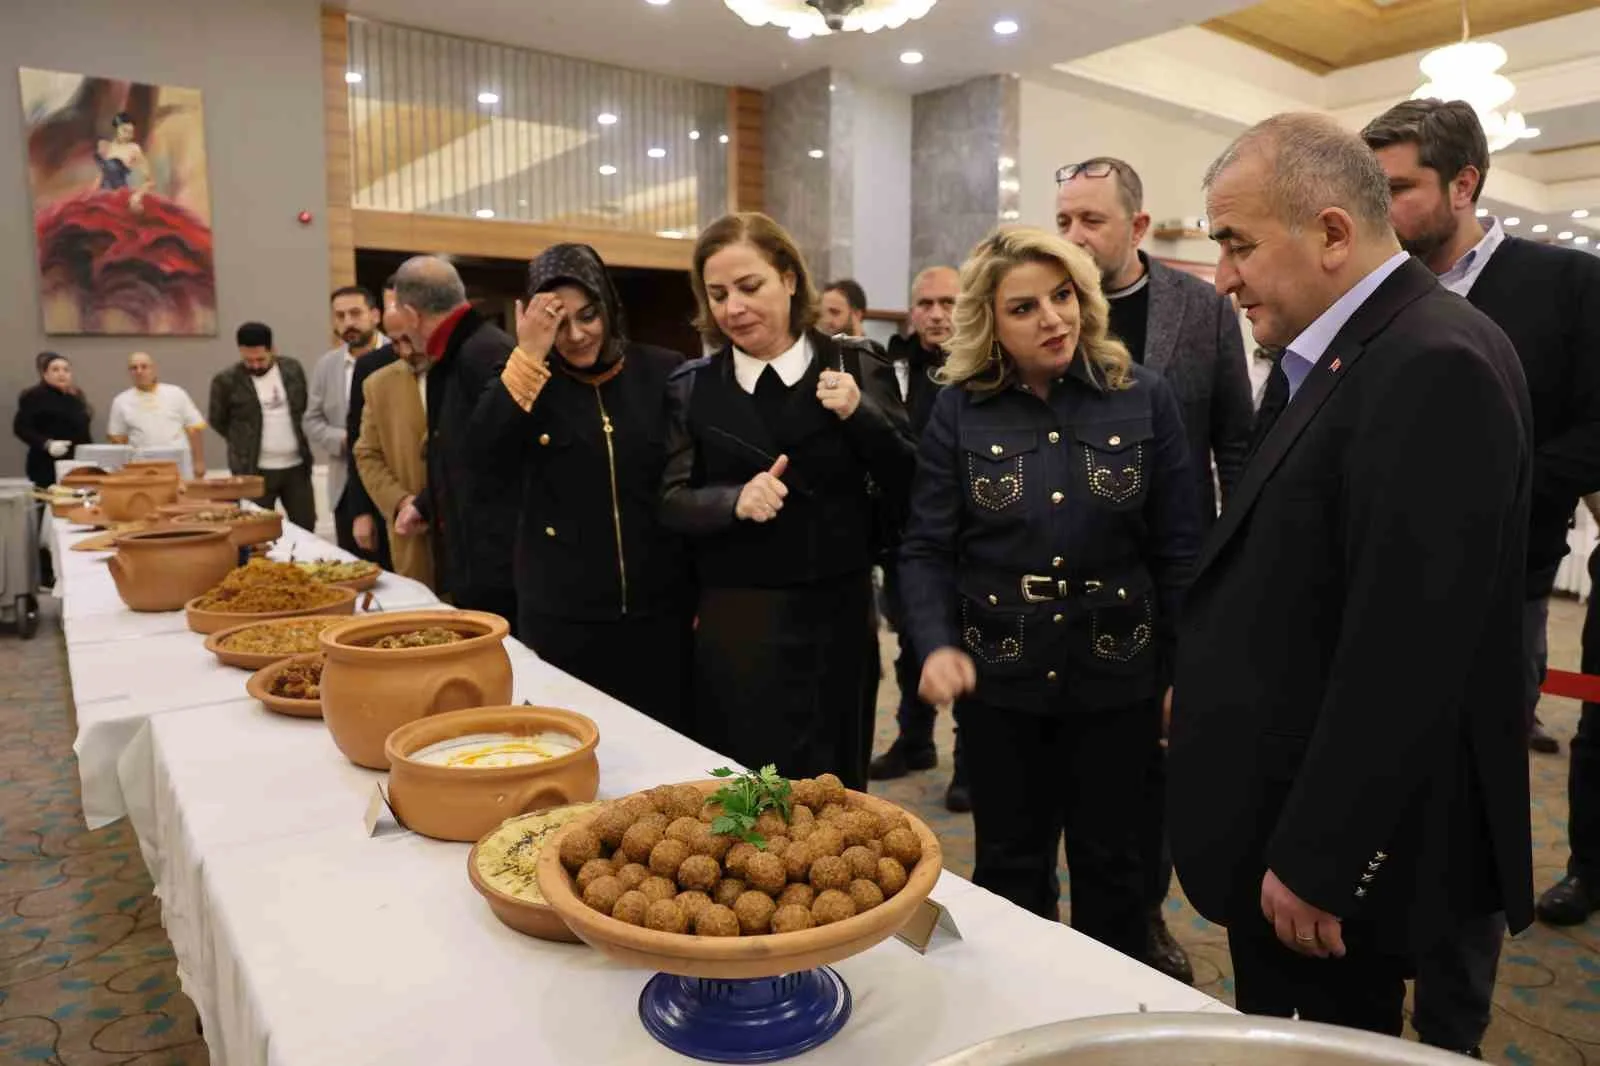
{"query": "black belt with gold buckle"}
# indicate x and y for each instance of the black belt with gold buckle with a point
(1039, 588)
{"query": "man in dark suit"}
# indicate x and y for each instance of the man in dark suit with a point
(367, 525)
(469, 507)
(1547, 300)
(1364, 584)
(1178, 326)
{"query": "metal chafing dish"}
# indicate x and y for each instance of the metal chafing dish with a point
(1179, 1039)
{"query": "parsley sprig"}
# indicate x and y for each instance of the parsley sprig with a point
(745, 797)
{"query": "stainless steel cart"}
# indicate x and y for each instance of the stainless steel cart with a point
(20, 517)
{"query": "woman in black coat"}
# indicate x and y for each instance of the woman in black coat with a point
(1054, 527)
(772, 446)
(52, 417)
(602, 588)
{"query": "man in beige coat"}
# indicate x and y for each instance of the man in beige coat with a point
(389, 455)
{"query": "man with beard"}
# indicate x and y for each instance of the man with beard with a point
(391, 467)
(256, 405)
(1176, 325)
(367, 523)
(355, 320)
(1547, 301)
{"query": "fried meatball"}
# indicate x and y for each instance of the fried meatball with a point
(902, 844)
(754, 911)
(738, 855)
(612, 823)
(699, 873)
(728, 891)
(603, 893)
(806, 793)
(661, 798)
(637, 805)
(800, 813)
(797, 860)
(716, 920)
(632, 875)
(863, 863)
(766, 872)
(887, 823)
(826, 840)
(715, 845)
(709, 812)
(832, 906)
(832, 789)
(798, 895)
(877, 848)
(693, 903)
(834, 813)
(777, 845)
(858, 827)
(639, 841)
(666, 857)
(865, 894)
(658, 888)
(771, 824)
(891, 876)
(578, 847)
(792, 919)
(665, 916)
(802, 830)
(685, 802)
(656, 819)
(631, 908)
(592, 869)
(829, 871)
(687, 830)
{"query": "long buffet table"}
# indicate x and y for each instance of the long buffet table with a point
(304, 941)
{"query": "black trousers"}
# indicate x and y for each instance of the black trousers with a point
(1583, 780)
(493, 599)
(1080, 775)
(915, 716)
(1155, 854)
(1364, 990)
(292, 485)
(641, 661)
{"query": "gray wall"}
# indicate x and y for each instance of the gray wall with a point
(960, 138)
(800, 190)
(259, 65)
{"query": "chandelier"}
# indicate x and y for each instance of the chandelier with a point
(1469, 71)
(814, 18)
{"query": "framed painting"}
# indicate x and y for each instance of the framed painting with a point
(121, 206)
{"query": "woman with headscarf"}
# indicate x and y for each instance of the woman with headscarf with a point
(602, 589)
(52, 418)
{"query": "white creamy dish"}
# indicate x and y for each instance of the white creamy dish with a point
(491, 750)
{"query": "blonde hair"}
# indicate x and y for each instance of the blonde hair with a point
(975, 360)
(775, 246)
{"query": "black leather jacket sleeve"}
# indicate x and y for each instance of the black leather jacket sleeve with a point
(686, 507)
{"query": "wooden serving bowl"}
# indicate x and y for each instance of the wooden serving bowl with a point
(465, 802)
(255, 660)
(360, 584)
(253, 527)
(525, 916)
(368, 693)
(260, 687)
(203, 621)
(771, 955)
(241, 487)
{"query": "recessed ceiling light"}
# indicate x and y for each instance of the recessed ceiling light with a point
(606, 118)
(1582, 212)
(1580, 239)
(1483, 212)
(484, 212)
(352, 77)
(488, 98)
(1010, 215)
(1564, 235)
(910, 58)
(1541, 228)
(657, 153)
(606, 170)
(1005, 27)
(694, 135)
(1512, 221)
(522, 203)
(658, 3)
(670, 234)
(815, 153)
(722, 139)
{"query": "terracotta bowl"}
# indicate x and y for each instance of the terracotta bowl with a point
(525, 916)
(745, 956)
(202, 621)
(162, 569)
(254, 527)
(464, 803)
(243, 487)
(363, 583)
(129, 496)
(255, 660)
(164, 467)
(368, 693)
(84, 477)
(260, 687)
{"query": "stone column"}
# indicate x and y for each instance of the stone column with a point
(963, 175)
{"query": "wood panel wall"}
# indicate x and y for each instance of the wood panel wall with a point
(401, 231)
(336, 148)
(747, 172)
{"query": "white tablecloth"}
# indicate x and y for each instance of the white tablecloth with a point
(305, 942)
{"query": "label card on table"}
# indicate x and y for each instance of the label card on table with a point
(930, 919)
(381, 819)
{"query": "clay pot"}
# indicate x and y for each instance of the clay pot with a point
(242, 487)
(203, 621)
(126, 497)
(255, 527)
(164, 467)
(162, 569)
(463, 803)
(367, 693)
(84, 477)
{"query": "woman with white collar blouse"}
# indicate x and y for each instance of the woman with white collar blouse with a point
(772, 451)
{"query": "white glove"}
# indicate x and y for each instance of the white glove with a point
(58, 448)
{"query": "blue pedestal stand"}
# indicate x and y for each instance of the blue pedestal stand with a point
(759, 1020)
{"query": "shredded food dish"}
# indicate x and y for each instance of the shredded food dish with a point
(284, 638)
(300, 681)
(217, 514)
(329, 570)
(509, 858)
(419, 638)
(262, 586)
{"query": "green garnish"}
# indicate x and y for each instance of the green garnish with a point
(744, 799)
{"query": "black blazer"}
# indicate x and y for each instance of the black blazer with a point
(590, 545)
(1348, 707)
(1547, 299)
(45, 413)
(717, 441)
(356, 499)
(471, 506)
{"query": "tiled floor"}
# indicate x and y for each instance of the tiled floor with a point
(87, 976)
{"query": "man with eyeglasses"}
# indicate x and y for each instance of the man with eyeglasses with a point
(1177, 325)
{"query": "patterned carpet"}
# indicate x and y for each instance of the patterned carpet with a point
(87, 976)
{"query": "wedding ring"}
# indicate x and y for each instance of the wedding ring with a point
(1312, 939)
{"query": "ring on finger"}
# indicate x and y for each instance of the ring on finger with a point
(1312, 939)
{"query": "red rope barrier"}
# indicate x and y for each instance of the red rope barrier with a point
(1573, 686)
